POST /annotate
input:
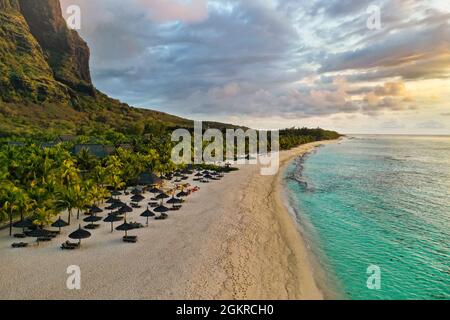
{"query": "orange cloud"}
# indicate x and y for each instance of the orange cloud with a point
(391, 89)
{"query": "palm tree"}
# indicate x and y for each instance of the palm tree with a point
(86, 161)
(67, 199)
(45, 213)
(14, 202)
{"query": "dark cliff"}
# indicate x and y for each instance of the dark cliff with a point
(67, 54)
(40, 58)
(45, 82)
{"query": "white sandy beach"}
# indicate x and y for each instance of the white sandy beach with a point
(234, 239)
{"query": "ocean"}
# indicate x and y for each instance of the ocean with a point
(375, 212)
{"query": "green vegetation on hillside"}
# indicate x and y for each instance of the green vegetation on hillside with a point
(24, 72)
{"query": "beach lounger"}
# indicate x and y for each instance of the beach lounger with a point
(136, 225)
(69, 246)
(20, 236)
(130, 239)
(163, 216)
(153, 204)
(92, 226)
(19, 245)
(44, 239)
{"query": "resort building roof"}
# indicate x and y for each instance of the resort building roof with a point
(98, 150)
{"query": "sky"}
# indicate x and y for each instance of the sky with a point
(271, 64)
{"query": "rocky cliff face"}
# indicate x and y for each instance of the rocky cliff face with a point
(68, 55)
(9, 4)
(41, 60)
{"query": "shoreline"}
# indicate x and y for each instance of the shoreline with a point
(267, 257)
(234, 239)
(322, 278)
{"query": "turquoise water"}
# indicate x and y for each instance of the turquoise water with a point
(377, 200)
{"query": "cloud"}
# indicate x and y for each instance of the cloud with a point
(392, 124)
(189, 11)
(391, 89)
(274, 59)
(431, 125)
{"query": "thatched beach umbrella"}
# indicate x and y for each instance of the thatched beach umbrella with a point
(125, 209)
(147, 214)
(162, 196)
(116, 193)
(95, 209)
(38, 233)
(111, 219)
(22, 224)
(155, 190)
(79, 234)
(174, 201)
(182, 194)
(60, 223)
(115, 205)
(92, 219)
(136, 191)
(125, 227)
(137, 198)
(161, 209)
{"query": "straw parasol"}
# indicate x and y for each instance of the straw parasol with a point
(161, 209)
(125, 227)
(125, 209)
(182, 194)
(155, 190)
(162, 196)
(174, 200)
(111, 219)
(137, 198)
(60, 223)
(22, 224)
(147, 214)
(92, 219)
(95, 209)
(79, 234)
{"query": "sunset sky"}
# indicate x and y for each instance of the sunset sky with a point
(277, 63)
